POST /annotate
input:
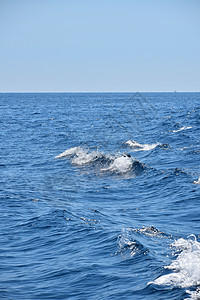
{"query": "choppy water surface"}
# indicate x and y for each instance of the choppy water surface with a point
(100, 196)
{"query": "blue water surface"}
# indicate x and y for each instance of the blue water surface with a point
(79, 227)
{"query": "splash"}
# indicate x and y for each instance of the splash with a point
(139, 147)
(186, 266)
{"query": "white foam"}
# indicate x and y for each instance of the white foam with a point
(140, 147)
(121, 164)
(186, 266)
(80, 156)
(198, 181)
(195, 295)
(83, 157)
(114, 163)
(69, 152)
(182, 128)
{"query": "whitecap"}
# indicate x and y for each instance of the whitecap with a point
(186, 266)
(69, 152)
(197, 182)
(121, 164)
(84, 157)
(182, 128)
(139, 147)
(80, 156)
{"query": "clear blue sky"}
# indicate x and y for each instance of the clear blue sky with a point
(99, 45)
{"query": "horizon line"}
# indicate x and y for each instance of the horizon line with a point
(90, 92)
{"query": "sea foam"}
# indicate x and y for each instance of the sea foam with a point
(195, 295)
(121, 164)
(141, 147)
(186, 266)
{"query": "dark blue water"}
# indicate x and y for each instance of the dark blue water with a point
(96, 223)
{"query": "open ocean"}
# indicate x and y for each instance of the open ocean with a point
(100, 196)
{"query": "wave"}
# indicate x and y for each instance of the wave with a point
(139, 147)
(197, 182)
(119, 163)
(128, 245)
(134, 241)
(186, 266)
(81, 156)
(69, 152)
(150, 231)
(124, 164)
(182, 128)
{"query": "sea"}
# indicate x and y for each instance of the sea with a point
(100, 196)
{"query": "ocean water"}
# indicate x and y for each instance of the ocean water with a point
(100, 196)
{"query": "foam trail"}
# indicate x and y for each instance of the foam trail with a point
(182, 128)
(198, 181)
(186, 266)
(140, 147)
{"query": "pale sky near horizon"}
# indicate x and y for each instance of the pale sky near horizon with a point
(97, 46)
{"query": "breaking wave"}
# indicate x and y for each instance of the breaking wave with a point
(124, 164)
(186, 266)
(139, 147)
(69, 152)
(119, 163)
(80, 156)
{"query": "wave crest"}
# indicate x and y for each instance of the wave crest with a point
(197, 182)
(186, 266)
(69, 152)
(119, 163)
(128, 246)
(139, 147)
